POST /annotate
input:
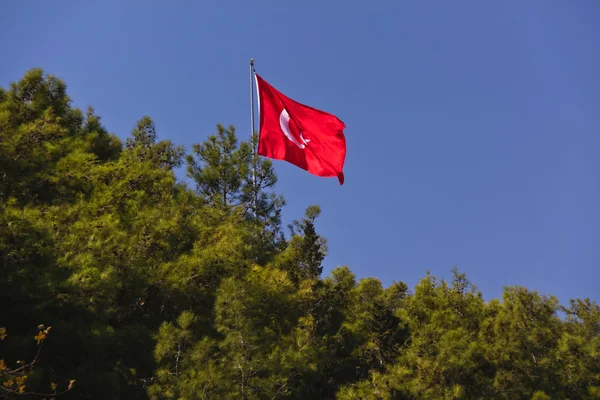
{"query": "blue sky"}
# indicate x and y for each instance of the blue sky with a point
(473, 128)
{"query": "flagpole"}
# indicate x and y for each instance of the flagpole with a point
(252, 72)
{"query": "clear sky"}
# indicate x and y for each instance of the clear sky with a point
(473, 127)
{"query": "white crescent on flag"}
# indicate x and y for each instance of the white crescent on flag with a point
(284, 123)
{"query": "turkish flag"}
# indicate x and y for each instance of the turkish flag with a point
(306, 137)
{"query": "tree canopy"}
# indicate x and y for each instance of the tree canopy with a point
(120, 281)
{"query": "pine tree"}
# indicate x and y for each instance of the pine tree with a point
(143, 146)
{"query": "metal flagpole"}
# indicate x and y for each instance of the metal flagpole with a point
(252, 136)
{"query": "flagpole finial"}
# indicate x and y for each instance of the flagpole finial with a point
(252, 61)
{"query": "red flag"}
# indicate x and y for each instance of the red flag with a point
(306, 137)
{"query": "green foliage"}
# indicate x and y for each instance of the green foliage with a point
(163, 292)
(143, 147)
(38, 130)
(303, 255)
(230, 177)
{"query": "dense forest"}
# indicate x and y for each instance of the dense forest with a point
(119, 281)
